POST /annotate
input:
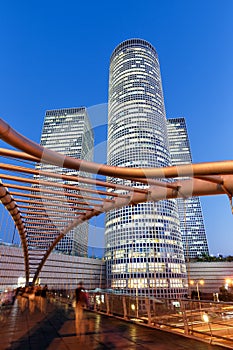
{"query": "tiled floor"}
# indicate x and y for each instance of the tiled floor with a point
(56, 331)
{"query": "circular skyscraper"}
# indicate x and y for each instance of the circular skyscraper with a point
(144, 251)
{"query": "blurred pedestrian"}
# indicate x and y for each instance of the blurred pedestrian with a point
(81, 301)
(43, 301)
(37, 296)
(24, 299)
(31, 299)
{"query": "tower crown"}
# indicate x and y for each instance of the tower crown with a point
(131, 43)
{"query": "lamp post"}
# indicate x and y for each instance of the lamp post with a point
(201, 282)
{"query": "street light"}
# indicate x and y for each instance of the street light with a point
(228, 283)
(201, 282)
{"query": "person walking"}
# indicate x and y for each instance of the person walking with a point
(81, 301)
(31, 299)
(43, 299)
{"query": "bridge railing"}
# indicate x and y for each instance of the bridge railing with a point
(204, 320)
(210, 321)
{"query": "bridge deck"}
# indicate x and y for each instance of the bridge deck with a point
(56, 330)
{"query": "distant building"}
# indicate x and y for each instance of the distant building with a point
(214, 275)
(61, 271)
(190, 212)
(144, 253)
(64, 272)
(69, 132)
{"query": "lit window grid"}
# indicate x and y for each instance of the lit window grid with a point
(190, 212)
(69, 132)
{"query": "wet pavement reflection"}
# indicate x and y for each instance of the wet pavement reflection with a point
(55, 330)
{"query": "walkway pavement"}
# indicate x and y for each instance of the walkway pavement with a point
(56, 331)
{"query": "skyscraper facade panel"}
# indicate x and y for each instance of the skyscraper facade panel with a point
(69, 132)
(144, 250)
(190, 212)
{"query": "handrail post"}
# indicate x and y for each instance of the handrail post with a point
(147, 302)
(107, 304)
(124, 307)
(94, 302)
(186, 325)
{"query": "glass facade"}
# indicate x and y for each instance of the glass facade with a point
(190, 212)
(144, 252)
(69, 132)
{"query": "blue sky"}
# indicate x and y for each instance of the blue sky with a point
(55, 54)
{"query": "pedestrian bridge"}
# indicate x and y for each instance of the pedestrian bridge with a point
(30, 194)
(112, 323)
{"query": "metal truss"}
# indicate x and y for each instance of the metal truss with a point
(45, 205)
